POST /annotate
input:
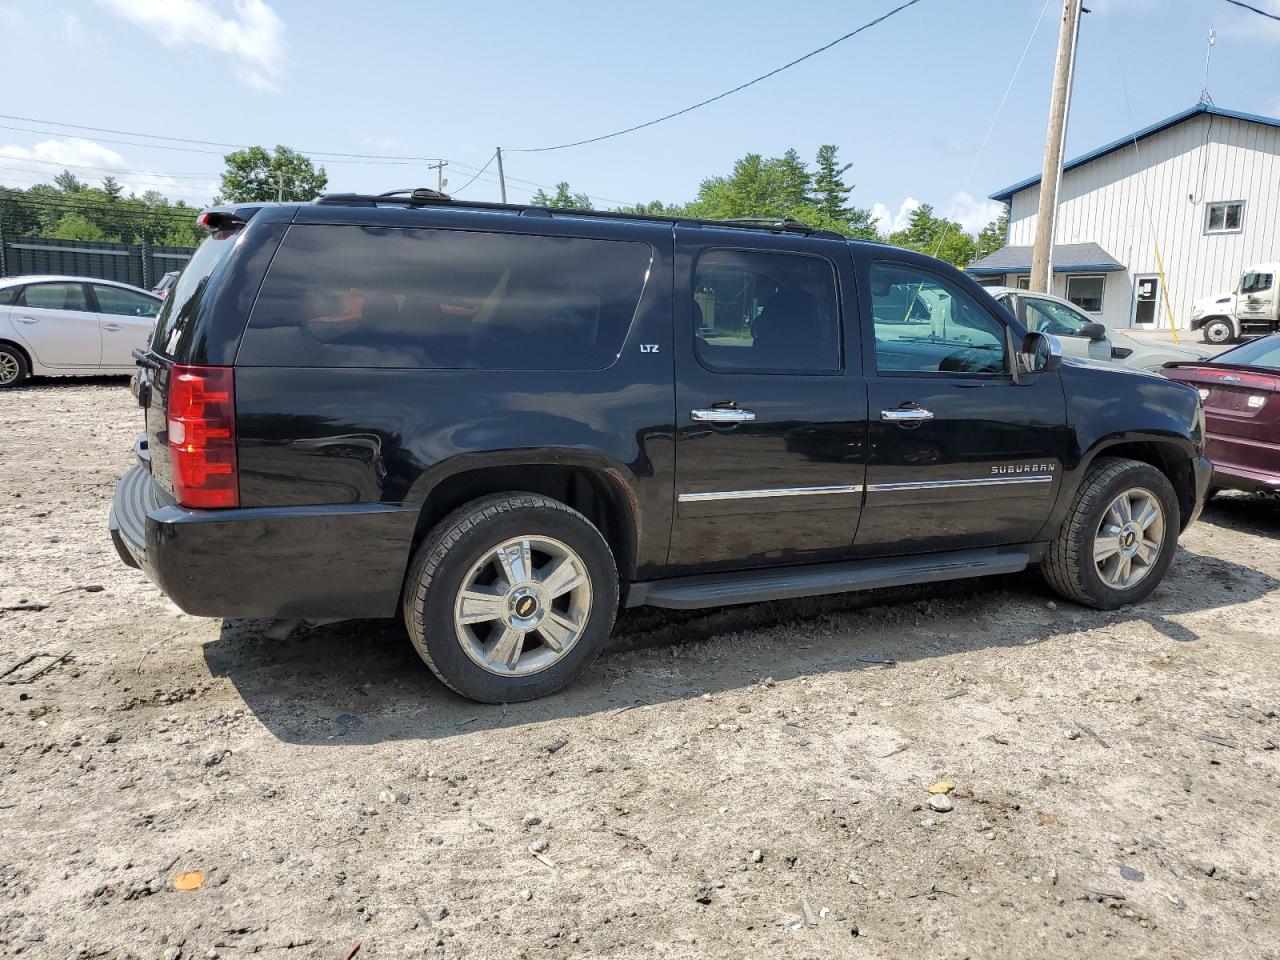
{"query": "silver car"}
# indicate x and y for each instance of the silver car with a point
(1082, 336)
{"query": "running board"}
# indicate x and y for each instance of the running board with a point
(753, 586)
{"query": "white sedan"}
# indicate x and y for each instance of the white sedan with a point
(71, 326)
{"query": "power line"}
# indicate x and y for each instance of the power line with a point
(721, 96)
(112, 171)
(473, 179)
(1262, 13)
(139, 181)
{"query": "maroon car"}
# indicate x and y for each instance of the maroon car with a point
(1241, 393)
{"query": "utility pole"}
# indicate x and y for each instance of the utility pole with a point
(502, 178)
(1051, 172)
(438, 167)
(280, 186)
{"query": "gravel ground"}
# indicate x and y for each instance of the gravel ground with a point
(750, 781)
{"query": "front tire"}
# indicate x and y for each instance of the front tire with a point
(511, 597)
(1218, 331)
(13, 366)
(1118, 538)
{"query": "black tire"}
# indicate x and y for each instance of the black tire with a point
(1068, 566)
(1218, 331)
(460, 541)
(11, 360)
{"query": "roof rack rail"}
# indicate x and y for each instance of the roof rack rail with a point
(411, 197)
(423, 196)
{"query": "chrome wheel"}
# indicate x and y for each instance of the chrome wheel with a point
(522, 606)
(9, 369)
(1129, 538)
(1217, 331)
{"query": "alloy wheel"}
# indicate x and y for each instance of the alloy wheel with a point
(522, 606)
(1129, 538)
(9, 369)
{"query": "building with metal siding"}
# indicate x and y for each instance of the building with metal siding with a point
(1202, 187)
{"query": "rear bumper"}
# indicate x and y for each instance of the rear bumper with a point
(331, 561)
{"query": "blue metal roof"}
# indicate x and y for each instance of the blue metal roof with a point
(1067, 258)
(1007, 193)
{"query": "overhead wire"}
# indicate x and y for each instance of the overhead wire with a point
(1257, 10)
(720, 96)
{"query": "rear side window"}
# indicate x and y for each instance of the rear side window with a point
(124, 303)
(353, 296)
(178, 312)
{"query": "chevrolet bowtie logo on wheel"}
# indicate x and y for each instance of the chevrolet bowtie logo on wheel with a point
(526, 606)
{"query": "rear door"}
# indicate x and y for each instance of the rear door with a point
(1042, 315)
(125, 319)
(770, 405)
(56, 320)
(961, 455)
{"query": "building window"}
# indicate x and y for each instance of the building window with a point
(1086, 292)
(1224, 217)
(1023, 283)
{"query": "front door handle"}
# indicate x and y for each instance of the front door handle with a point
(906, 415)
(722, 415)
(28, 319)
(111, 327)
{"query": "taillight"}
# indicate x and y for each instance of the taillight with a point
(202, 436)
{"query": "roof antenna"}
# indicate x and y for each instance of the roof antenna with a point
(1204, 91)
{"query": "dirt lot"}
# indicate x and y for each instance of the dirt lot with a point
(745, 782)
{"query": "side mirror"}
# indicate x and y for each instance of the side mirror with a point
(1041, 353)
(1093, 331)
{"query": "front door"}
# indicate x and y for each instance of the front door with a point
(770, 401)
(961, 454)
(55, 320)
(1255, 303)
(1146, 300)
(1042, 315)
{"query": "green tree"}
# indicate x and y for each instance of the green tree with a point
(111, 187)
(935, 236)
(656, 208)
(831, 196)
(992, 236)
(68, 182)
(254, 175)
(75, 227)
(563, 198)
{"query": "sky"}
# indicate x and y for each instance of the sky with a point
(909, 102)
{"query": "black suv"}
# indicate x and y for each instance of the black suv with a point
(502, 422)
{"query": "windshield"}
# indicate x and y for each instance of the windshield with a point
(1256, 353)
(183, 299)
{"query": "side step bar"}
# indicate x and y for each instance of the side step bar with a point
(753, 586)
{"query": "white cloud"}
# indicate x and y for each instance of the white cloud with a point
(971, 213)
(22, 165)
(890, 221)
(251, 32)
(71, 25)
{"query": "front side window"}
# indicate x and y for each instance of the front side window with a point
(1086, 292)
(54, 296)
(1224, 217)
(1255, 283)
(357, 296)
(1047, 316)
(766, 313)
(124, 303)
(925, 324)
(6, 295)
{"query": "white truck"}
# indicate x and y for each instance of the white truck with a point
(1253, 306)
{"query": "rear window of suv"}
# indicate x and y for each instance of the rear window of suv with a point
(178, 312)
(360, 296)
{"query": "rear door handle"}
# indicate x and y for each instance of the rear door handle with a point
(722, 415)
(111, 327)
(28, 319)
(906, 415)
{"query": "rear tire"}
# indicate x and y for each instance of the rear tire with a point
(511, 597)
(1118, 538)
(1218, 331)
(13, 366)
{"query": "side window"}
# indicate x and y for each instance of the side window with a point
(766, 313)
(124, 303)
(354, 296)
(6, 295)
(1255, 283)
(1046, 316)
(55, 296)
(925, 324)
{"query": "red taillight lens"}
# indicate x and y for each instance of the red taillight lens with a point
(202, 436)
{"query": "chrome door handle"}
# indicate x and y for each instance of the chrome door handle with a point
(906, 415)
(111, 327)
(722, 415)
(28, 319)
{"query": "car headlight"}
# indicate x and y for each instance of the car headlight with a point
(1197, 313)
